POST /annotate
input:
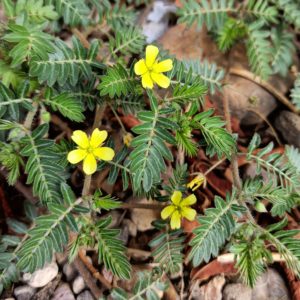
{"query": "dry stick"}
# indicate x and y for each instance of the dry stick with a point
(86, 185)
(93, 270)
(268, 87)
(234, 162)
(230, 258)
(30, 116)
(268, 123)
(88, 278)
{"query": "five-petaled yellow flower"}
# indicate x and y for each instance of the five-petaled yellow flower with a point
(196, 182)
(179, 209)
(89, 149)
(151, 70)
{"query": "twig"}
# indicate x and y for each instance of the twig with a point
(229, 258)
(269, 124)
(98, 115)
(214, 166)
(86, 185)
(30, 116)
(268, 87)
(94, 271)
(138, 252)
(61, 124)
(88, 278)
(118, 119)
(234, 163)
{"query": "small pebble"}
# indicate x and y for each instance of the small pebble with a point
(24, 292)
(69, 271)
(41, 277)
(78, 285)
(63, 292)
(86, 295)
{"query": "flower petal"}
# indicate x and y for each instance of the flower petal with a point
(140, 67)
(176, 197)
(81, 139)
(167, 211)
(162, 80)
(104, 153)
(147, 82)
(190, 200)
(188, 213)
(163, 66)
(151, 55)
(89, 164)
(76, 156)
(175, 220)
(98, 137)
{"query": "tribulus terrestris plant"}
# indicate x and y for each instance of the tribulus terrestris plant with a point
(46, 79)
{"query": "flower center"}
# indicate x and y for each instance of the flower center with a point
(90, 149)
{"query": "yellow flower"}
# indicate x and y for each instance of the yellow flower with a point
(179, 209)
(89, 149)
(151, 70)
(196, 182)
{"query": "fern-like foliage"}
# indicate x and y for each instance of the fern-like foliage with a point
(116, 82)
(50, 233)
(259, 50)
(291, 10)
(295, 92)
(11, 160)
(261, 9)
(130, 104)
(119, 166)
(84, 92)
(11, 102)
(293, 155)
(189, 71)
(218, 140)
(188, 92)
(29, 42)
(66, 104)
(275, 164)
(184, 135)
(42, 166)
(232, 31)
(251, 255)
(282, 50)
(10, 77)
(147, 158)
(146, 287)
(282, 201)
(65, 65)
(106, 202)
(9, 274)
(127, 41)
(119, 16)
(286, 244)
(217, 226)
(213, 13)
(74, 12)
(111, 250)
(33, 11)
(167, 248)
(8, 271)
